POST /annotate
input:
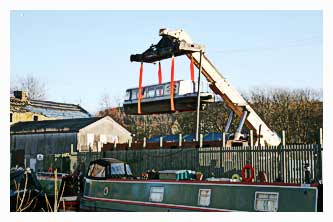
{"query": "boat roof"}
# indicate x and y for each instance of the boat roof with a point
(162, 84)
(106, 161)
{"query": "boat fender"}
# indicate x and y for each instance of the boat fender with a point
(247, 167)
(235, 177)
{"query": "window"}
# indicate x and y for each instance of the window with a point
(266, 201)
(117, 169)
(151, 92)
(96, 170)
(134, 94)
(11, 117)
(35, 118)
(156, 194)
(128, 95)
(175, 89)
(167, 89)
(143, 92)
(159, 91)
(128, 170)
(204, 197)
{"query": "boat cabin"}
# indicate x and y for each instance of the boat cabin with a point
(156, 98)
(106, 168)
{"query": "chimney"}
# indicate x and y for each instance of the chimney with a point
(21, 95)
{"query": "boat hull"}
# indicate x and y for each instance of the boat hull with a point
(182, 104)
(134, 195)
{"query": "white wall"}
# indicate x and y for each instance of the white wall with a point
(105, 130)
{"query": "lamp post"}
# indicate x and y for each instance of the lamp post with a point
(197, 132)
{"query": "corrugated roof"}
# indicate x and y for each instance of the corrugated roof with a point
(64, 125)
(49, 109)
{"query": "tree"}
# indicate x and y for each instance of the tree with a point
(105, 102)
(34, 87)
(297, 111)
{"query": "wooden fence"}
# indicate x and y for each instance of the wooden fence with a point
(281, 163)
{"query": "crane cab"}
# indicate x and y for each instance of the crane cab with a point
(156, 98)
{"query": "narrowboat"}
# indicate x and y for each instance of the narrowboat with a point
(68, 189)
(156, 98)
(26, 193)
(110, 186)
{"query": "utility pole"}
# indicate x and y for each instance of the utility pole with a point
(198, 100)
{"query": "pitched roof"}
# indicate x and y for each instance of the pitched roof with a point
(48, 108)
(63, 125)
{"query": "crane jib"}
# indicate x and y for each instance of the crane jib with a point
(176, 43)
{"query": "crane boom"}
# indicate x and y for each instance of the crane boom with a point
(176, 43)
(233, 99)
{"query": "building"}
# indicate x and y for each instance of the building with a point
(24, 109)
(66, 136)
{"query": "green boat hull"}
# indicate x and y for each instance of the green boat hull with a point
(134, 195)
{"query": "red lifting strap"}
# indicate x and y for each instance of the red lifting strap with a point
(140, 88)
(172, 84)
(159, 73)
(192, 69)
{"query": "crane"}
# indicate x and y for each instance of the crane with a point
(177, 43)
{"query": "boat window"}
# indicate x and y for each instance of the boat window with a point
(156, 194)
(151, 92)
(266, 201)
(176, 87)
(128, 170)
(159, 90)
(167, 88)
(134, 94)
(143, 92)
(204, 197)
(96, 170)
(117, 169)
(128, 95)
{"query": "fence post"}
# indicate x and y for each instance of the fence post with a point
(281, 164)
(180, 140)
(251, 138)
(161, 142)
(223, 139)
(317, 157)
(200, 140)
(89, 158)
(144, 142)
(129, 144)
(283, 137)
(319, 162)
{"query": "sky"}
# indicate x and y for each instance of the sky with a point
(83, 55)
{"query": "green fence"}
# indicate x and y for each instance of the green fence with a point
(282, 163)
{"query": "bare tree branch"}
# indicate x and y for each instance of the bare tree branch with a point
(34, 87)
